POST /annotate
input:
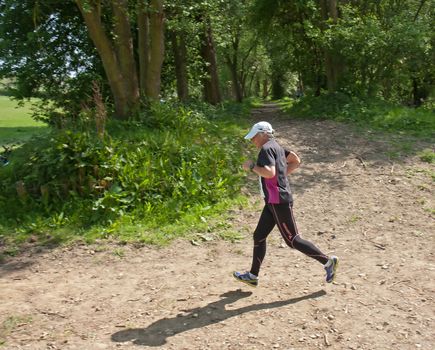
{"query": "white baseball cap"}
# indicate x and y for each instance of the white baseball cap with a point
(259, 127)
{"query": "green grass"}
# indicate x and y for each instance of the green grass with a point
(368, 113)
(16, 124)
(428, 156)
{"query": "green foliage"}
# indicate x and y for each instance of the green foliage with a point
(384, 54)
(375, 48)
(46, 52)
(427, 156)
(368, 112)
(148, 174)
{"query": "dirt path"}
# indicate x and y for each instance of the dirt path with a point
(351, 200)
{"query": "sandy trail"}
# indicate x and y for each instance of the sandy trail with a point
(351, 199)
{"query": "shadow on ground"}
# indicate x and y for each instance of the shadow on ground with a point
(24, 258)
(13, 266)
(156, 334)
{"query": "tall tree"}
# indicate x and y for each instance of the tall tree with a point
(151, 45)
(180, 31)
(238, 41)
(116, 55)
(329, 11)
(212, 92)
(180, 60)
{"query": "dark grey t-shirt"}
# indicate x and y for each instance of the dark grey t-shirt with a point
(275, 190)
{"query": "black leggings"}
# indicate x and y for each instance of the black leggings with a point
(281, 215)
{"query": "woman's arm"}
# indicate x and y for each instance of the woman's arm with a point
(293, 162)
(267, 171)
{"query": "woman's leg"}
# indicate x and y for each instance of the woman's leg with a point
(265, 225)
(283, 215)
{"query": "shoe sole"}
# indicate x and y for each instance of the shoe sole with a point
(245, 282)
(334, 271)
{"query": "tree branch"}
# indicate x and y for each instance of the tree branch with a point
(419, 9)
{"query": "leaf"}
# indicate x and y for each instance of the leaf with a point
(206, 238)
(195, 243)
(115, 188)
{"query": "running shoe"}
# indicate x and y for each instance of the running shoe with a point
(246, 277)
(331, 269)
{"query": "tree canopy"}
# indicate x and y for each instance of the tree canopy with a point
(143, 50)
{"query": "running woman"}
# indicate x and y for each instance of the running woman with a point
(272, 166)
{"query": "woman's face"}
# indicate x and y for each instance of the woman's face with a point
(260, 139)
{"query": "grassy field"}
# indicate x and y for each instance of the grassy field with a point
(16, 124)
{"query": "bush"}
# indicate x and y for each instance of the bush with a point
(172, 161)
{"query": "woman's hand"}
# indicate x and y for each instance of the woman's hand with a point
(293, 162)
(248, 165)
(264, 171)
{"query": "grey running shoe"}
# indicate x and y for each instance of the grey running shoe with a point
(245, 277)
(331, 268)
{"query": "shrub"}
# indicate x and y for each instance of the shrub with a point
(153, 170)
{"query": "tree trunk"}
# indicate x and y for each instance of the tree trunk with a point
(124, 49)
(150, 19)
(123, 100)
(211, 81)
(328, 9)
(265, 88)
(249, 91)
(180, 57)
(232, 65)
(300, 84)
(156, 49)
(372, 85)
(257, 87)
(333, 10)
(143, 44)
(419, 9)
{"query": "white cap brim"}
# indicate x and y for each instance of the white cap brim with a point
(251, 134)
